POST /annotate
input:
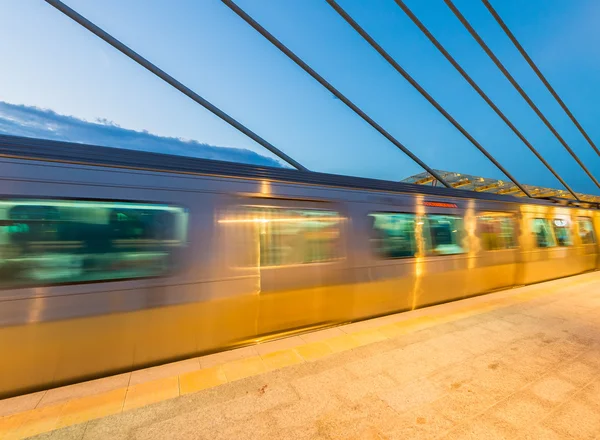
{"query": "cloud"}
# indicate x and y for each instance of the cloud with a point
(27, 121)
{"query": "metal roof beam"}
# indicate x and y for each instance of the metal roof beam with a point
(421, 90)
(516, 85)
(78, 18)
(537, 71)
(291, 55)
(481, 93)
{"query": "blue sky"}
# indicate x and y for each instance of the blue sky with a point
(57, 65)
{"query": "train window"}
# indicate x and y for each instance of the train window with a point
(296, 236)
(497, 232)
(562, 232)
(543, 233)
(45, 242)
(393, 235)
(444, 234)
(586, 230)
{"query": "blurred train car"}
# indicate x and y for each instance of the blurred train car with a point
(113, 260)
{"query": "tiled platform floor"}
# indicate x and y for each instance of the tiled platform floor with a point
(522, 363)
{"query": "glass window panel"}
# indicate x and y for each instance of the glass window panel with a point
(497, 232)
(297, 236)
(393, 235)
(562, 231)
(586, 230)
(55, 241)
(543, 233)
(444, 234)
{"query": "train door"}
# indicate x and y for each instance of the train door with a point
(297, 251)
(385, 278)
(585, 240)
(548, 250)
(496, 250)
(445, 253)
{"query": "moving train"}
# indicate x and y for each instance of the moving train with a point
(113, 260)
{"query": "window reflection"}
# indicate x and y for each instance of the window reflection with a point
(586, 230)
(543, 233)
(50, 241)
(562, 231)
(393, 235)
(444, 234)
(296, 236)
(497, 232)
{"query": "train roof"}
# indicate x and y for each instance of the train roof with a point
(93, 155)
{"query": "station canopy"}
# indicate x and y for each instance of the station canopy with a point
(494, 186)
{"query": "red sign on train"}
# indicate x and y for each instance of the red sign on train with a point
(440, 204)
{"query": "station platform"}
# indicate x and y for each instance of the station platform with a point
(517, 364)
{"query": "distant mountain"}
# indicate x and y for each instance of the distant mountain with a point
(21, 120)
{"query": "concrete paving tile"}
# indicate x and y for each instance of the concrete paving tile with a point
(499, 326)
(242, 368)
(370, 336)
(321, 335)
(316, 385)
(360, 388)
(20, 403)
(476, 340)
(530, 367)
(83, 389)
(576, 419)
(454, 374)
(418, 324)
(74, 432)
(565, 350)
(590, 394)
(374, 349)
(260, 400)
(368, 418)
(125, 425)
(9, 425)
(175, 428)
(392, 330)
(553, 389)
(212, 360)
(279, 345)
(465, 323)
(422, 423)
(537, 432)
(201, 379)
(521, 319)
(313, 350)
(281, 359)
(341, 343)
(483, 428)
(521, 410)
(37, 421)
(591, 358)
(88, 408)
(199, 423)
(302, 432)
(258, 428)
(412, 395)
(306, 369)
(147, 393)
(164, 371)
(406, 372)
(577, 373)
(500, 385)
(462, 403)
(371, 366)
(305, 411)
